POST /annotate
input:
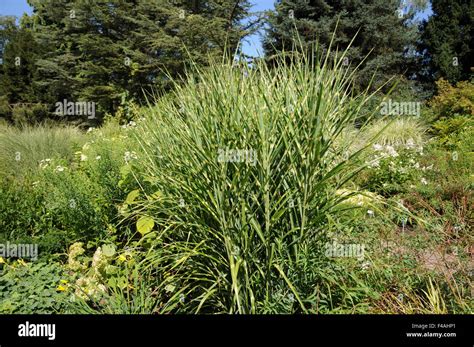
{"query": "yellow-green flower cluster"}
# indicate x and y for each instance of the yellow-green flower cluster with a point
(90, 285)
(89, 288)
(75, 251)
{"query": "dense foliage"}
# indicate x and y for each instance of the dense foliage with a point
(204, 184)
(224, 197)
(103, 51)
(447, 40)
(378, 34)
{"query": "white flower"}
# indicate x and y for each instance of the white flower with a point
(391, 151)
(377, 147)
(370, 213)
(424, 181)
(410, 143)
(44, 163)
(90, 129)
(98, 258)
(59, 168)
(83, 157)
(98, 157)
(132, 123)
(130, 155)
(375, 163)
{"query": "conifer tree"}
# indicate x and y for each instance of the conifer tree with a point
(447, 41)
(18, 56)
(102, 50)
(382, 31)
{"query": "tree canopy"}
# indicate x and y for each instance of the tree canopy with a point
(447, 41)
(100, 51)
(382, 30)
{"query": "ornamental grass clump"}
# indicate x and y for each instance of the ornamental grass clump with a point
(244, 174)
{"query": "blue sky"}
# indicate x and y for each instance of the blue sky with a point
(251, 46)
(14, 7)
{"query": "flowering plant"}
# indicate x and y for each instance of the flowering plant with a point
(390, 167)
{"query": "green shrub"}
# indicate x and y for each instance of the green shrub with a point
(392, 169)
(29, 114)
(452, 101)
(105, 155)
(454, 131)
(60, 207)
(5, 109)
(22, 213)
(55, 198)
(76, 206)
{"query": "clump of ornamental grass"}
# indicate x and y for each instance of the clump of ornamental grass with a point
(23, 149)
(399, 131)
(395, 132)
(244, 176)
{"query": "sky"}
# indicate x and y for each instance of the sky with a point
(14, 7)
(251, 46)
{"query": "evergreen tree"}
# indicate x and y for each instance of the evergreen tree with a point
(383, 29)
(447, 40)
(102, 50)
(18, 54)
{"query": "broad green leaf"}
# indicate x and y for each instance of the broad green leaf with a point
(111, 269)
(145, 225)
(156, 195)
(125, 170)
(122, 282)
(112, 282)
(108, 250)
(132, 196)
